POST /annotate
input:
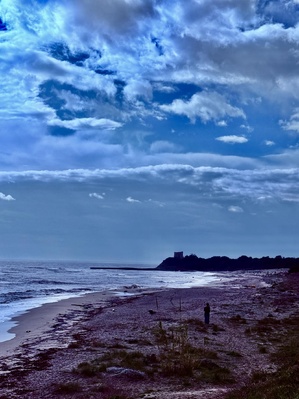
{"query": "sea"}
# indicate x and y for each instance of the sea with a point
(25, 285)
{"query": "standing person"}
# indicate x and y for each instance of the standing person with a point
(207, 313)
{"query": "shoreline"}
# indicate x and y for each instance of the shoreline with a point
(52, 341)
(10, 323)
(35, 325)
(11, 313)
(34, 322)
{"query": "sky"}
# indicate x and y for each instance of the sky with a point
(130, 129)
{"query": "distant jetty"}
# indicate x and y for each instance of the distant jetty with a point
(122, 268)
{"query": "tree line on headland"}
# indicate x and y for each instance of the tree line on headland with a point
(224, 263)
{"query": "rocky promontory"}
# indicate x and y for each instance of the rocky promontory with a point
(224, 263)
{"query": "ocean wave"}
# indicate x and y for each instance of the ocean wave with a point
(15, 296)
(11, 297)
(49, 282)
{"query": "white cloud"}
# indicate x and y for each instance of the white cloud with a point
(204, 105)
(291, 198)
(221, 123)
(135, 89)
(86, 123)
(201, 42)
(213, 182)
(98, 196)
(232, 139)
(136, 65)
(264, 198)
(132, 200)
(235, 209)
(134, 49)
(293, 123)
(6, 197)
(246, 127)
(73, 102)
(269, 143)
(163, 88)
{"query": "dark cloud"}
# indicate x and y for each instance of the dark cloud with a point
(158, 45)
(114, 18)
(61, 52)
(105, 72)
(284, 12)
(60, 131)
(3, 26)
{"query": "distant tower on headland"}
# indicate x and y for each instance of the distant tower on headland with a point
(178, 255)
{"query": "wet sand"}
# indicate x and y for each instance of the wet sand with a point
(39, 325)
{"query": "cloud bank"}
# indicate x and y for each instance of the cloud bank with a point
(189, 104)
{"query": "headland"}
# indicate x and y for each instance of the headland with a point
(192, 262)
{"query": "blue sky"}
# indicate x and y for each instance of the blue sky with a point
(130, 129)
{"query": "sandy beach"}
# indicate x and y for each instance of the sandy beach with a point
(36, 323)
(40, 327)
(107, 345)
